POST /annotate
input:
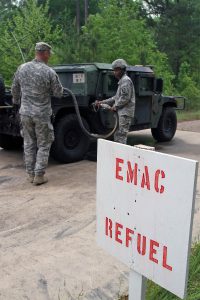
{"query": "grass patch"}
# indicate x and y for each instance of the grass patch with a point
(154, 292)
(188, 116)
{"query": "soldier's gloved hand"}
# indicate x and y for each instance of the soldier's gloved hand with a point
(105, 106)
(98, 103)
(113, 108)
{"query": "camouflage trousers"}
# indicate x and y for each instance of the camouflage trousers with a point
(120, 135)
(38, 136)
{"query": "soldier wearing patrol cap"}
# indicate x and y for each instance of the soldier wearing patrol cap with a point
(41, 46)
(33, 84)
(123, 102)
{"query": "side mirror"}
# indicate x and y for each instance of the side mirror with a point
(159, 86)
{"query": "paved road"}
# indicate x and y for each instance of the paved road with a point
(47, 233)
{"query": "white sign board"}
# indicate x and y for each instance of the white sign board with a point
(145, 204)
(78, 78)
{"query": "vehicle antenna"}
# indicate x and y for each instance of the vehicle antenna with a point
(20, 50)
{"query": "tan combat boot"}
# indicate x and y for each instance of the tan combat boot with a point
(39, 179)
(30, 178)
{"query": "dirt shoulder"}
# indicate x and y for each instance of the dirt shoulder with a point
(193, 126)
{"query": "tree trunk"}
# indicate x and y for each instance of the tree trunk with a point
(78, 16)
(86, 10)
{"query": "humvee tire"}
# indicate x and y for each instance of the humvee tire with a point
(9, 142)
(2, 91)
(70, 144)
(166, 126)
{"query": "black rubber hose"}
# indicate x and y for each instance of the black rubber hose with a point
(93, 135)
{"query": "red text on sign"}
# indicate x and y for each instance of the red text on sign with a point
(140, 178)
(148, 248)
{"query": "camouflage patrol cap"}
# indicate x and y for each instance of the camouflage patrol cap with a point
(119, 63)
(41, 46)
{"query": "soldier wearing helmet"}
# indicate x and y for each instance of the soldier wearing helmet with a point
(33, 84)
(123, 102)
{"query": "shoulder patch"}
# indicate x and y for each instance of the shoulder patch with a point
(125, 90)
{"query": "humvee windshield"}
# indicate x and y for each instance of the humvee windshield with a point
(66, 79)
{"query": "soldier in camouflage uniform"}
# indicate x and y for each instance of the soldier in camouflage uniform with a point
(123, 102)
(34, 82)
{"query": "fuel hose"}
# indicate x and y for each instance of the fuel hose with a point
(89, 134)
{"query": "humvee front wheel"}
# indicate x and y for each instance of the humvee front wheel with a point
(70, 144)
(166, 126)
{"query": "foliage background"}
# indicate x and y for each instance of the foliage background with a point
(162, 33)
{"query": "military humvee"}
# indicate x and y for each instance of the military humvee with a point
(89, 82)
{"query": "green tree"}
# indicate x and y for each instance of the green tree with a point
(7, 10)
(29, 25)
(187, 87)
(177, 28)
(64, 12)
(6, 6)
(119, 31)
